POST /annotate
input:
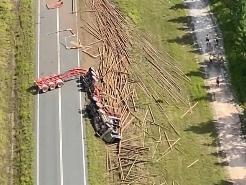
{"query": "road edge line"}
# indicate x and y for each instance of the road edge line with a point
(80, 104)
(59, 96)
(38, 61)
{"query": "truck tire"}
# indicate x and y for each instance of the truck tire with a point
(92, 69)
(45, 88)
(59, 83)
(52, 86)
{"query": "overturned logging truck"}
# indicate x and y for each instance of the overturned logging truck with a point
(105, 124)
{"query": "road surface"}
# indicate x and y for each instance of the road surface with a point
(60, 133)
(226, 112)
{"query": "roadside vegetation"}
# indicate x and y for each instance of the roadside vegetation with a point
(16, 104)
(231, 16)
(96, 157)
(165, 23)
(6, 71)
(24, 59)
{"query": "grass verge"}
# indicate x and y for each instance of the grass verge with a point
(96, 157)
(166, 23)
(6, 71)
(96, 151)
(24, 57)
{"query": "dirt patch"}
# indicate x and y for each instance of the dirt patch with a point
(86, 38)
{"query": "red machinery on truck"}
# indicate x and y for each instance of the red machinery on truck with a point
(105, 123)
(57, 80)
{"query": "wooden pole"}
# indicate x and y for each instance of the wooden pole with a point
(193, 163)
(72, 6)
(189, 110)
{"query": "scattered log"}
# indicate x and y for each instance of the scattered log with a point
(194, 162)
(189, 110)
(131, 167)
(168, 140)
(167, 150)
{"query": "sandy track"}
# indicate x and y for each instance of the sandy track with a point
(226, 111)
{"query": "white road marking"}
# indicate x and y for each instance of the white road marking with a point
(80, 104)
(38, 55)
(60, 117)
(59, 111)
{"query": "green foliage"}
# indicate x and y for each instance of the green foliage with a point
(96, 157)
(6, 71)
(165, 22)
(24, 75)
(231, 16)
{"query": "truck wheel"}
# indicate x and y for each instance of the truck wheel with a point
(45, 88)
(52, 86)
(92, 69)
(59, 83)
(99, 105)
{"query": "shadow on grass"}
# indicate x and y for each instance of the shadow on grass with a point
(186, 4)
(224, 126)
(185, 39)
(223, 164)
(178, 6)
(191, 30)
(224, 182)
(184, 28)
(208, 128)
(220, 154)
(182, 19)
(33, 90)
(204, 128)
(203, 98)
(198, 73)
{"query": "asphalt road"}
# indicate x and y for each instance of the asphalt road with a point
(60, 133)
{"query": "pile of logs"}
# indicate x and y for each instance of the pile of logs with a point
(162, 70)
(116, 89)
(128, 170)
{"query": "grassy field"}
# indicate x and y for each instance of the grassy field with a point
(237, 66)
(95, 146)
(166, 24)
(96, 157)
(24, 57)
(16, 69)
(6, 71)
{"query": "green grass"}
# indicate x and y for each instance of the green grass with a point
(165, 22)
(16, 60)
(237, 62)
(24, 56)
(96, 153)
(6, 71)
